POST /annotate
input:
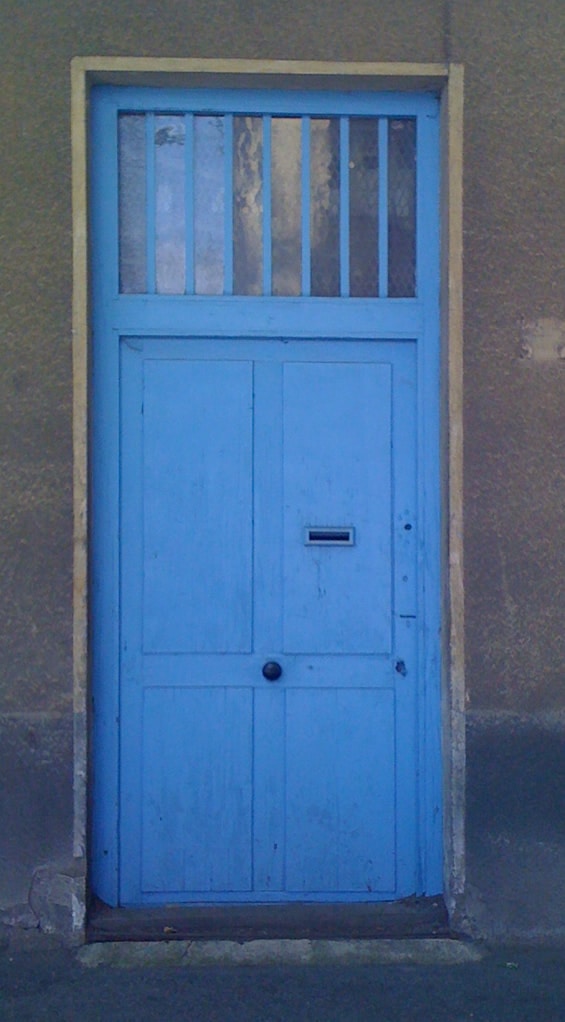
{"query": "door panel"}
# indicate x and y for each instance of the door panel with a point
(197, 433)
(253, 789)
(340, 790)
(337, 448)
(196, 791)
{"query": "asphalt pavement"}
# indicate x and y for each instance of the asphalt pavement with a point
(490, 984)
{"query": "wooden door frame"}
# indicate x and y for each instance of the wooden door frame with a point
(443, 79)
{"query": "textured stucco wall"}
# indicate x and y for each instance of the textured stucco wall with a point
(514, 398)
(514, 384)
(514, 392)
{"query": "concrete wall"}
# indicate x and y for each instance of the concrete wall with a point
(514, 403)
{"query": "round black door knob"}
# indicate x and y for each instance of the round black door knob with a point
(271, 670)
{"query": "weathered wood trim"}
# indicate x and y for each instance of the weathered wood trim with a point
(452, 485)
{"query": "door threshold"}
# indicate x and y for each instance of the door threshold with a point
(409, 918)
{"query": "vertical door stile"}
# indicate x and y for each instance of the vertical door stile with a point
(253, 554)
(344, 206)
(132, 692)
(189, 201)
(268, 502)
(267, 243)
(405, 623)
(269, 701)
(383, 207)
(228, 204)
(305, 205)
(151, 200)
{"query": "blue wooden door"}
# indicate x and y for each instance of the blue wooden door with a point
(264, 566)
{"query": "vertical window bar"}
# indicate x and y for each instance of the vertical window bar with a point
(228, 204)
(267, 229)
(150, 198)
(344, 206)
(383, 207)
(306, 285)
(189, 201)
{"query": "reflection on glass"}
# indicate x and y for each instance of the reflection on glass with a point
(247, 205)
(209, 191)
(402, 208)
(363, 207)
(132, 210)
(286, 207)
(169, 204)
(324, 206)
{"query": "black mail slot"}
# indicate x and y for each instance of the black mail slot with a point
(331, 536)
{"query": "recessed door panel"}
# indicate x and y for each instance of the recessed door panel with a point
(340, 793)
(337, 507)
(197, 506)
(197, 789)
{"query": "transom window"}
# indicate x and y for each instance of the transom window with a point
(237, 204)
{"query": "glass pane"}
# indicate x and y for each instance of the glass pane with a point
(324, 206)
(286, 206)
(402, 208)
(169, 204)
(209, 192)
(247, 205)
(363, 207)
(132, 213)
